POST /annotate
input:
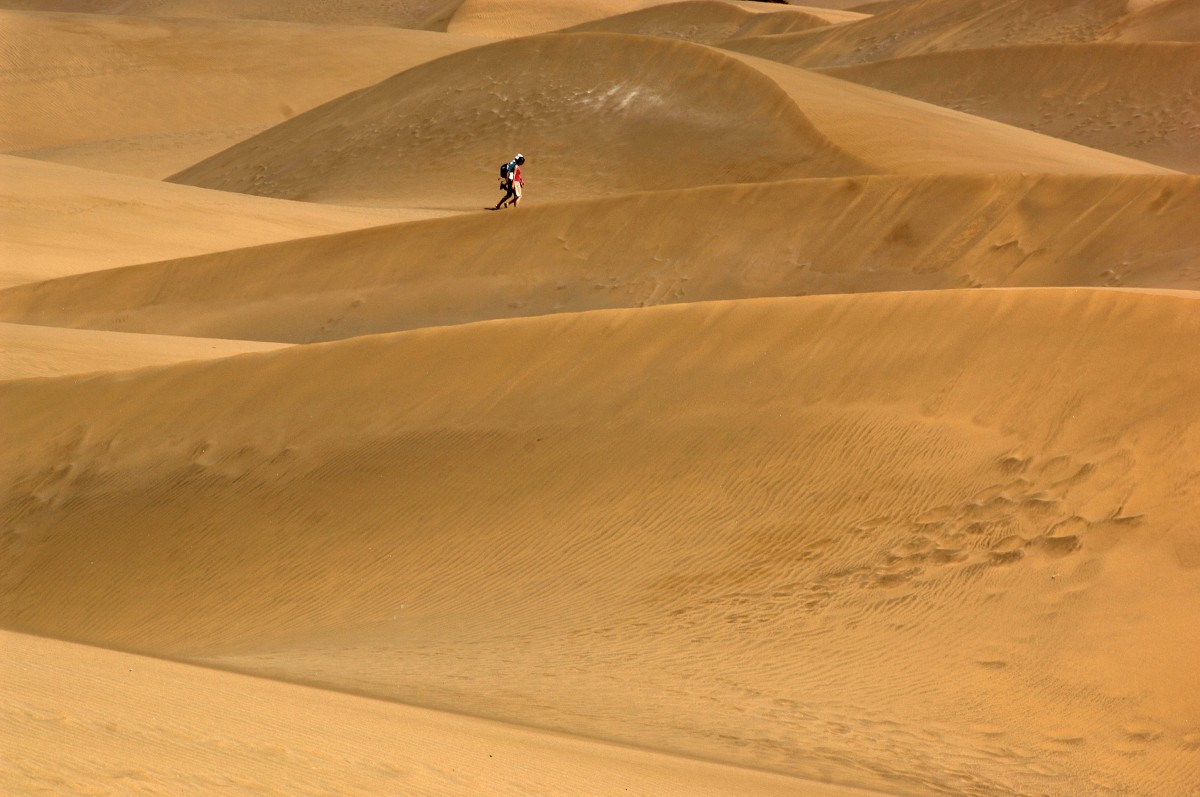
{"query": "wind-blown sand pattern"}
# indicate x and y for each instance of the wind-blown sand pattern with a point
(802, 432)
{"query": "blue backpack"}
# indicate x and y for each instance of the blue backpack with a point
(508, 170)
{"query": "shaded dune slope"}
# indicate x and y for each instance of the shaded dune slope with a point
(713, 21)
(596, 113)
(778, 239)
(735, 508)
(1139, 100)
(32, 351)
(136, 722)
(61, 220)
(1172, 20)
(150, 96)
(924, 26)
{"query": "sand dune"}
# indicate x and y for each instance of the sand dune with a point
(597, 114)
(900, 541)
(712, 21)
(1168, 20)
(428, 137)
(136, 720)
(1137, 100)
(61, 220)
(148, 97)
(924, 26)
(793, 431)
(29, 351)
(421, 14)
(779, 239)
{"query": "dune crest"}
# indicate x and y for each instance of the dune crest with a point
(777, 239)
(1136, 100)
(434, 136)
(62, 220)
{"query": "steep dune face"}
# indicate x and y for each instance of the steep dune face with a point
(148, 96)
(924, 26)
(1136, 100)
(61, 220)
(782, 239)
(934, 542)
(596, 114)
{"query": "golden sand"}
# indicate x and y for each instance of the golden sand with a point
(822, 422)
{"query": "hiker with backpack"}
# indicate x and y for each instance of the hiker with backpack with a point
(511, 182)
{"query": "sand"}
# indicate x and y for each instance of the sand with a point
(823, 421)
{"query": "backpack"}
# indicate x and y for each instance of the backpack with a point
(507, 170)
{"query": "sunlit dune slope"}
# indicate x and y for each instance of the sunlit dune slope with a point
(930, 542)
(426, 14)
(150, 96)
(778, 239)
(1138, 100)
(704, 21)
(60, 220)
(894, 134)
(596, 114)
(924, 26)
(94, 721)
(1169, 20)
(31, 351)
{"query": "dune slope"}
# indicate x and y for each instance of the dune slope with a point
(596, 114)
(924, 26)
(1137, 100)
(902, 541)
(61, 220)
(420, 14)
(1168, 20)
(778, 239)
(136, 722)
(713, 21)
(148, 97)
(32, 351)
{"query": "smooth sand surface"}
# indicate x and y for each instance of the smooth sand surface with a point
(793, 436)
(775, 239)
(1138, 100)
(148, 97)
(34, 351)
(60, 220)
(136, 724)
(935, 541)
(402, 142)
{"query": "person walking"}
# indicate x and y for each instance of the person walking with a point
(511, 182)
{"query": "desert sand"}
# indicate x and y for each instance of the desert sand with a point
(822, 422)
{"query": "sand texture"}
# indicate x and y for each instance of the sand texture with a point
(822, 422)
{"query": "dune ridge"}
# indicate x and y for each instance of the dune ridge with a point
(142, 714)
(63, 220)
(1137, 100)
(32, 351)
(428, 136)
(1009, 482)
(792, 432)
(924, 26)
(777, 239)
(89, 90)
